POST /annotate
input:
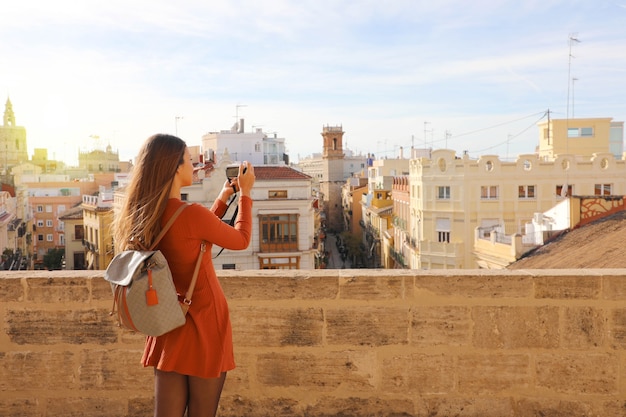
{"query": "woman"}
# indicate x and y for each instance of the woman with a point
(191, 361)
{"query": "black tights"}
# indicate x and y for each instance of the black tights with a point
(174, 393)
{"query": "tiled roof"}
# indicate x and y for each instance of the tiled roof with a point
(280, 172)
(600, 244)
(74, 213)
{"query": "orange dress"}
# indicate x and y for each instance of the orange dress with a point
(203, 346)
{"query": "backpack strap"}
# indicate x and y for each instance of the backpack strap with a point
(169, 224)
(187, 299)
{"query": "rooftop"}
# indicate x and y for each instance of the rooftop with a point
(600, 244)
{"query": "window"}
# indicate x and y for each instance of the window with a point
(79, 233)
(602, 189)
(48, 208)
(579, 132)
(489, 192)
(291, 262)
(526, 191)
(228, 266)
(277, 194)
(279, 232)
(443, 230)
(443, 192)
(40, 238)
(39, 209)
(48, 223)
(564, 191)
(49, 237)
(39, 223)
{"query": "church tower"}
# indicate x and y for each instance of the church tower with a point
(13, 149)
(332, 176)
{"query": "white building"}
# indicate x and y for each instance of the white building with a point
(255, 147)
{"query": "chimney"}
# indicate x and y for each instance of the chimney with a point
(241, 129)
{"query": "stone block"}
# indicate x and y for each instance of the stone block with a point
(352, 370)
(276, 326)
(474, 286)
(86, 406)
(22, 407)
(493, 373)
(418, 374)
(617, 328)
(583, 328)
(40, 327)
(238, 379)
(371, 326)
(578, 374)
(11, 289)
(554, 408)
(440, 325)
(359, 407)
(26, 371)
(58, 290)
(568, 287)
(371, 288)
(505, 327)
(271, 286)
(448, 406)
(141, 406)
(101, 290)
(614, 287)
(113, 369)
(258, 406)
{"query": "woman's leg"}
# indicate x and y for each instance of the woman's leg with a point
(170, 394)
(204, 395)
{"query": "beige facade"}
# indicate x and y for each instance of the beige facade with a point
(97, 219)
(351, 197)
(74, 238)
(452, 196)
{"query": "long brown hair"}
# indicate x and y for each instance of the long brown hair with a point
(137, 222)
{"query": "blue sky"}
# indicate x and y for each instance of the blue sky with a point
(470, 76)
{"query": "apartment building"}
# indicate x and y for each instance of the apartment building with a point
(74, 238)
(283, 226)
(256, 147)
(97, 236)
(451, 195)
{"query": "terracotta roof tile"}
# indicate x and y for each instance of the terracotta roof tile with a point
(280, 172)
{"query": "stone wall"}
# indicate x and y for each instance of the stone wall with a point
(338, 343)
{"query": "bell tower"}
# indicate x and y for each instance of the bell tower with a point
(9, 116)
(332, 176)
(333, 142)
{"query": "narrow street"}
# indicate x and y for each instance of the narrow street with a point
(334, 257)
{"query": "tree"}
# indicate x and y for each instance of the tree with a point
(54, 259)
(352, 245)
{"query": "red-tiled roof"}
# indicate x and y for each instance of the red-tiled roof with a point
(269, 172)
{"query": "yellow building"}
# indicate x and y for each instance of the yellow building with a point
(450, 196)
(580, 137)
(97, 219)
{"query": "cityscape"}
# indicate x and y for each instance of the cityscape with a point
(423, 208)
